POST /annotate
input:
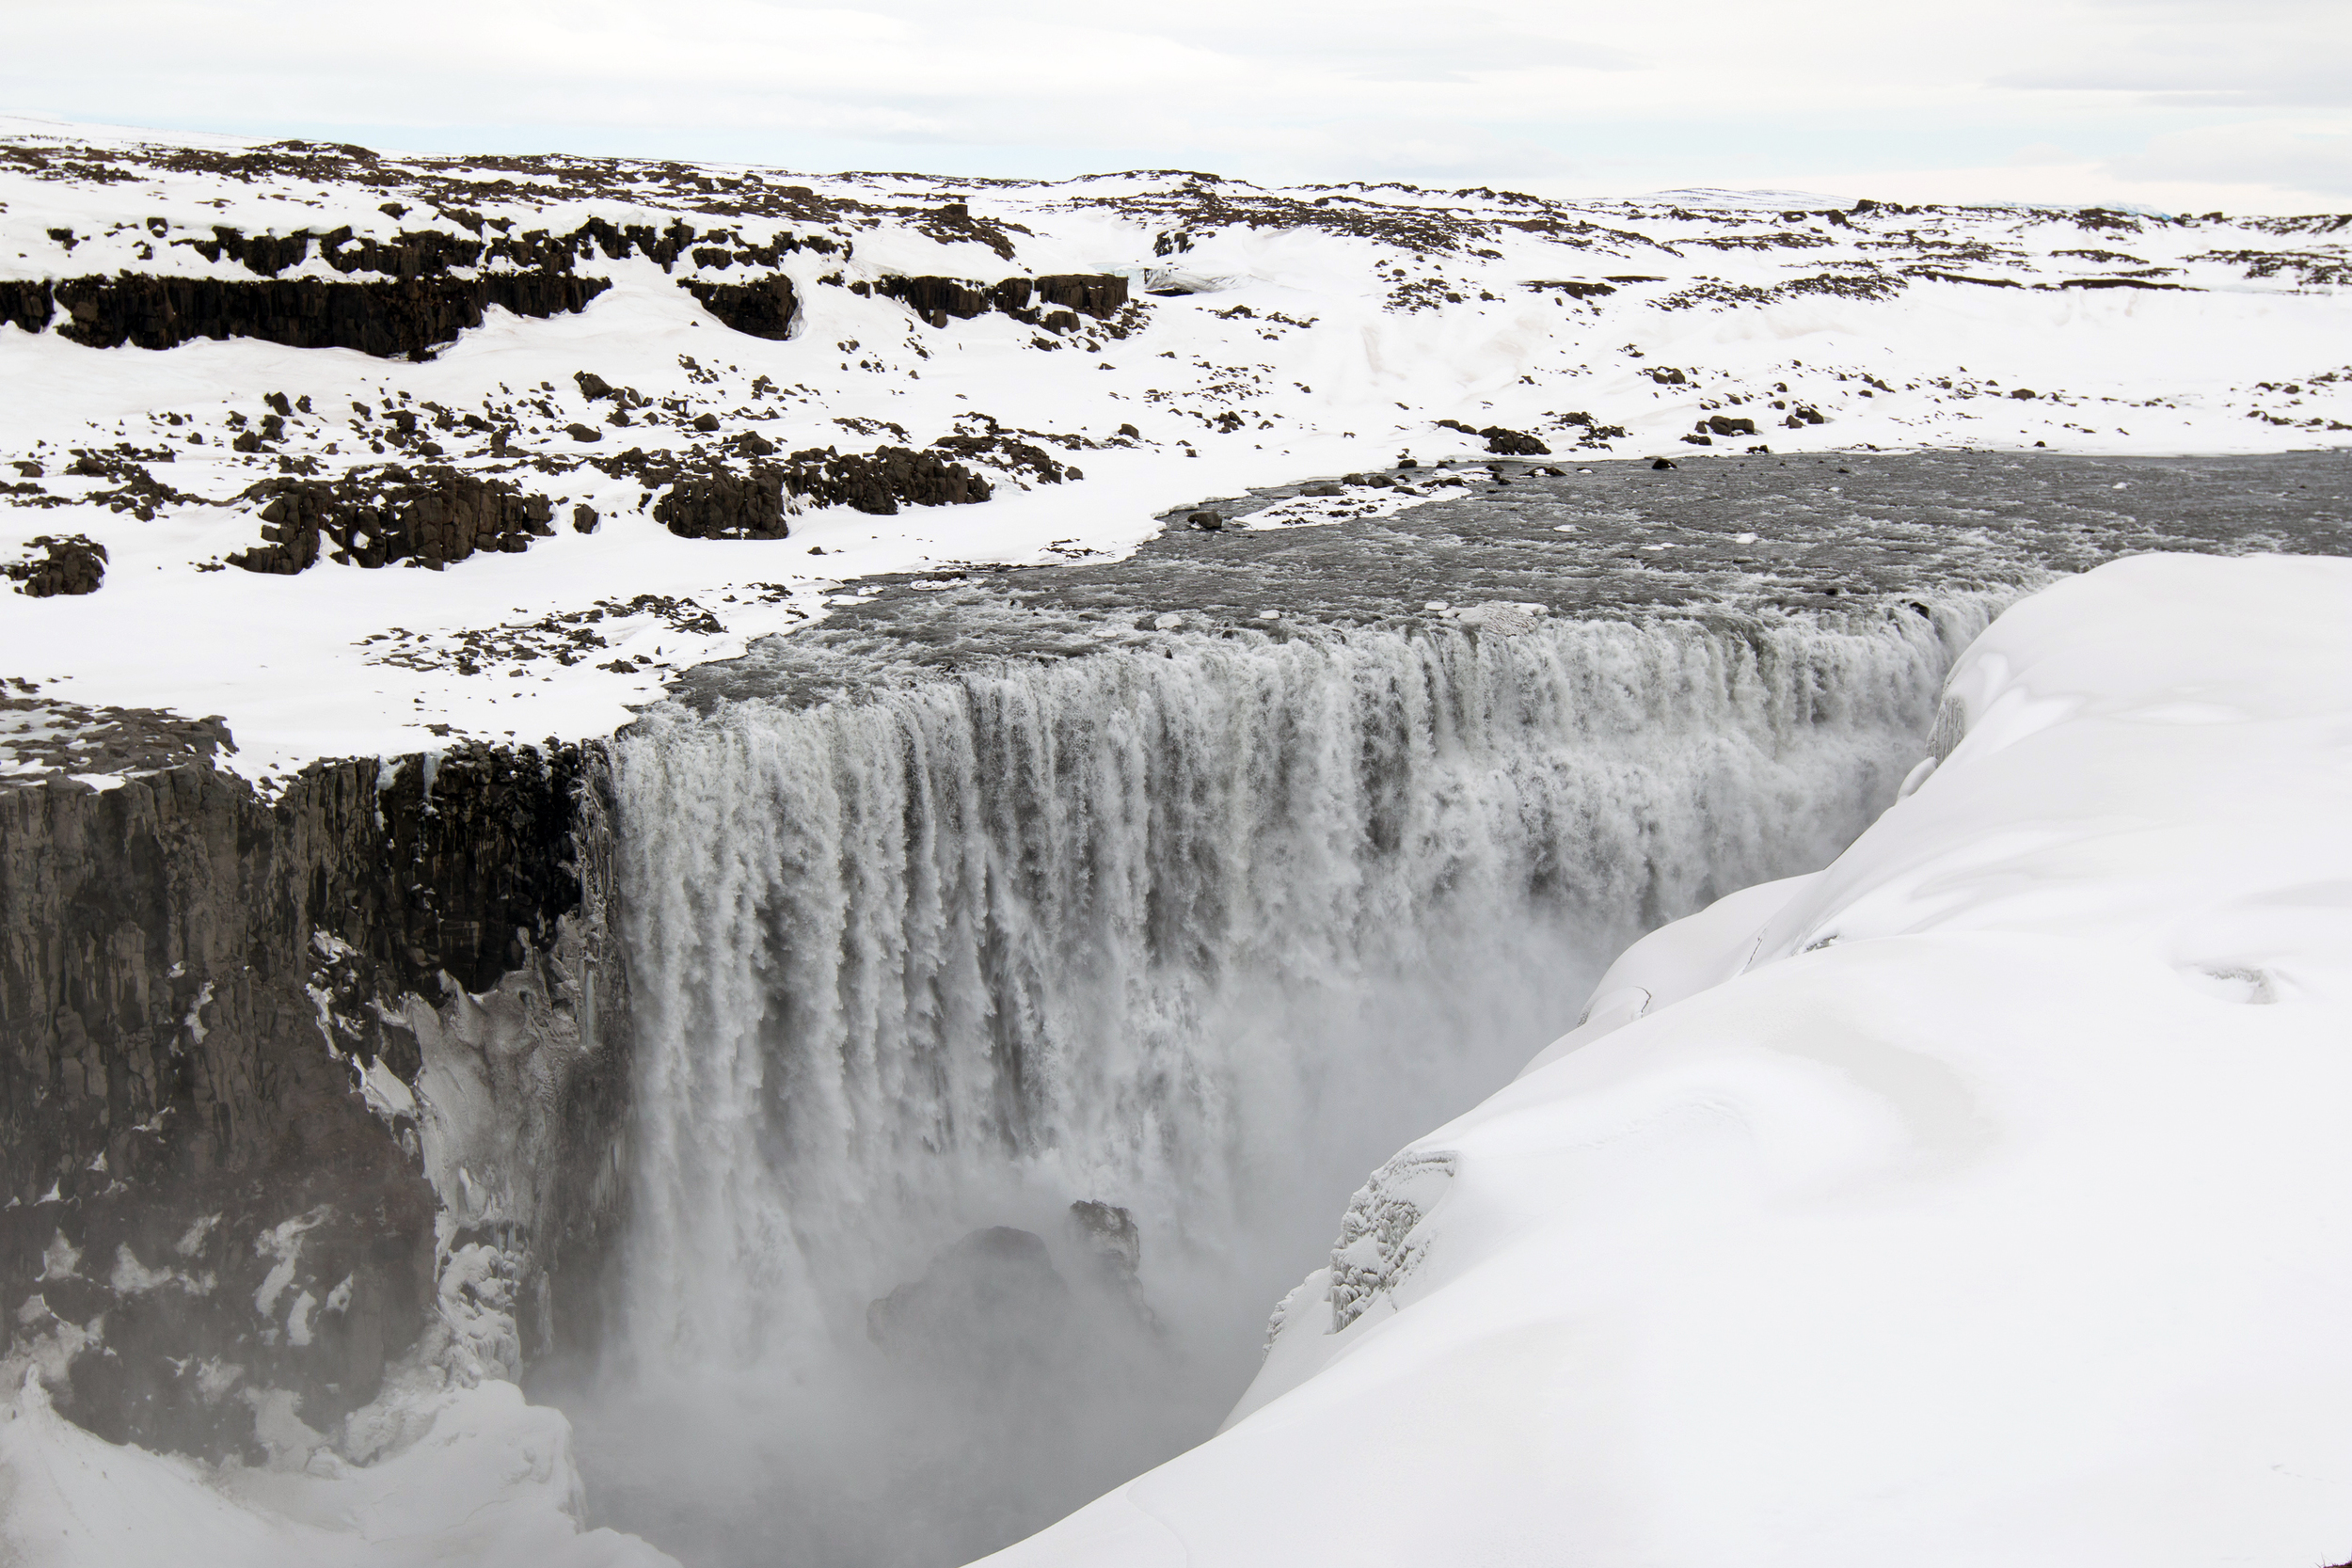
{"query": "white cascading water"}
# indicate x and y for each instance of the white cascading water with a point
(1205, 933)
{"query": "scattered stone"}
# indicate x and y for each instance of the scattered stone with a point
(1723, 424)
(583, 432)
(705, 423)
(583, 519)
(69, 563)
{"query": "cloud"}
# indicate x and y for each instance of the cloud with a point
(1504, 91)
(2312, 156)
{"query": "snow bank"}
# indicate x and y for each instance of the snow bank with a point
(1980, 1198)
(491, 1480)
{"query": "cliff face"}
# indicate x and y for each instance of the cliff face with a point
(289, 1091)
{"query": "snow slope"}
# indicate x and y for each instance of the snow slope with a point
(1978, 1199)
(1275, 335)
(489, 1480)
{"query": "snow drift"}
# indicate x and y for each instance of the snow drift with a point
(1977, 1199)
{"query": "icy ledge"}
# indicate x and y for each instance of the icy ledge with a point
(1980, 1200)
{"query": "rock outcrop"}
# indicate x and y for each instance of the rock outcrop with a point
(404, 319)
(373, 517)
(292, 1091)
(723, 506)
(68, 564)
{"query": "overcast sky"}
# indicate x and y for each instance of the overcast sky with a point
(2184, 105)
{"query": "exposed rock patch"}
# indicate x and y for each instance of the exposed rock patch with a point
(410, 319)
(69, 564)
(373, 517)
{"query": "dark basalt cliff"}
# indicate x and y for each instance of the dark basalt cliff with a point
(267, 1069)
(409, 317)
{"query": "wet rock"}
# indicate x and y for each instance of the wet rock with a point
(1108, 1234)
(991, 1300)
(194, 984)
(69, 564)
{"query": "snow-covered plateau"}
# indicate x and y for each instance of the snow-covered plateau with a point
(1218, 337)
(713, 866)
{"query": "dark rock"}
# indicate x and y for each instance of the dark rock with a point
(1662, 463)
(373, 518)
(2024, 392)
(165, 1076)
(1700, 440)
(591, 386)
(1324, 487)
(935, 299)
(1723, 424)
(723, 506)
(583, 519)
(751, 443)
(1513, 443)
(1010, 452)
(583, 432)
(1108, 1233)
(878, 481)
(705, 423)
(69, 564)
(409, 319)
(1206, 520)
(26, 303)
(760, 309)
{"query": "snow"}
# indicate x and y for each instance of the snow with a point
(491, 1480)
(1336, 346)
(1977, 1199)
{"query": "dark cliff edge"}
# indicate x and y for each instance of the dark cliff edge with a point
(300, 1096)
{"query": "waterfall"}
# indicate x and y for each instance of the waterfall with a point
(1202, 933)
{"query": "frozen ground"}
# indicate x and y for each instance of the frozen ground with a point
(1973, 1200)
(1273, 336)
